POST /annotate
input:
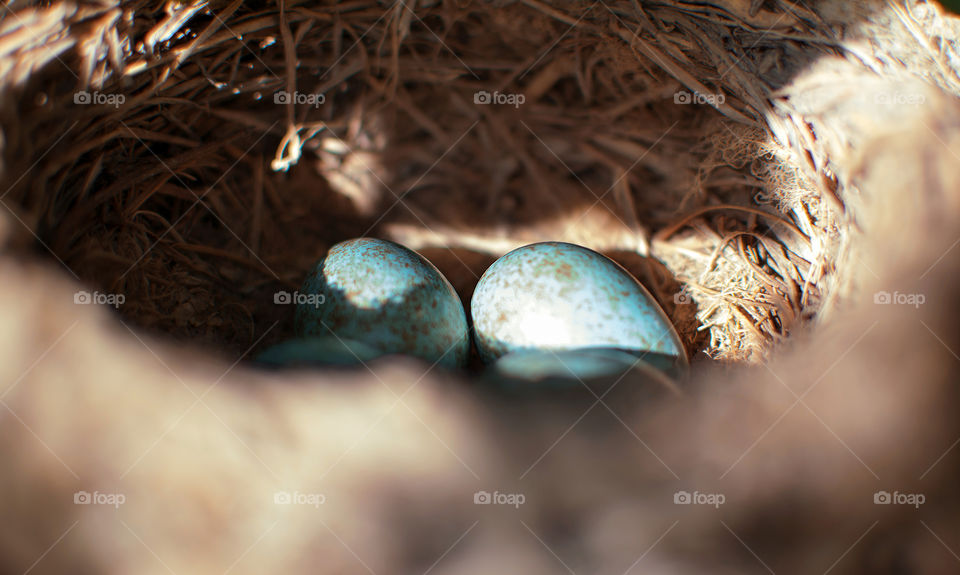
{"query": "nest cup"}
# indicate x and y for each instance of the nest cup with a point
(186, 163)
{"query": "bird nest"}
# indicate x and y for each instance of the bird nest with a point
(187, 161)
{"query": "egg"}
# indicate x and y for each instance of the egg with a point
(596, 369)
(317, 351)
(570, 365)
(388, 297)
(560, 296)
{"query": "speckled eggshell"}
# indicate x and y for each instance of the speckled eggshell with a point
(574, 368)
(560, 296)
(386, 296)
(573, 364)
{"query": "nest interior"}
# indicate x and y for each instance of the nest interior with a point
(199, 157)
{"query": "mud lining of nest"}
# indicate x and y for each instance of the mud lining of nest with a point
(204, 192)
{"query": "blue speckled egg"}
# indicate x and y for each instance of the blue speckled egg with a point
(560, 296)
(388, 297)
(573, 365)
(310, 351)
